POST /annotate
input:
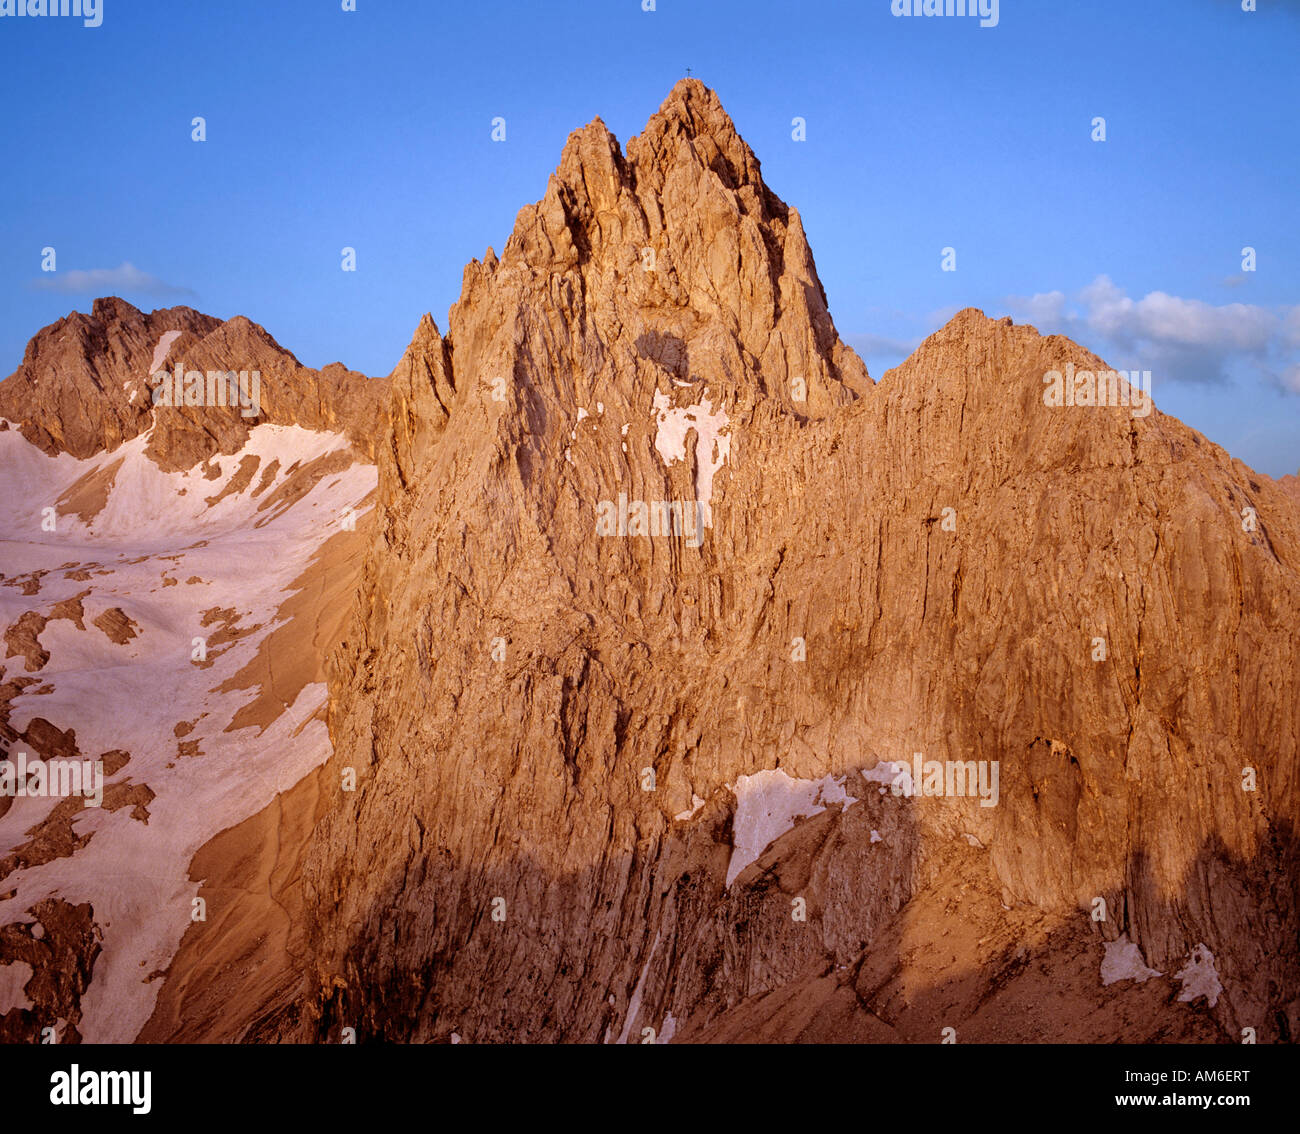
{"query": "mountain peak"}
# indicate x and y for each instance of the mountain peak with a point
(692, 128)
(112, 307)
(85, 385)
(675, 249)
(697, 107)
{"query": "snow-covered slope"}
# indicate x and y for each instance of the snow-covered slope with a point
(152, 596)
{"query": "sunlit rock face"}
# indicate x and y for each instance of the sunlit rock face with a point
(647, 531)
(629, 666)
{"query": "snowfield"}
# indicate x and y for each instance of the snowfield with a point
(157, 526)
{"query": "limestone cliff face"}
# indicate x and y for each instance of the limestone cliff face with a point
(551, 709)
(85, 386)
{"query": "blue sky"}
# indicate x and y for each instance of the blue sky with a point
(372, 129)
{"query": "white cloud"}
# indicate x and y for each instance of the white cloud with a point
(1293, 327)
(1045, 310)
(881, 345)
(1178, 339)
(126, 277)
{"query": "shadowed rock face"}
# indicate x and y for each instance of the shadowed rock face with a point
(549, 724)
(85, 386)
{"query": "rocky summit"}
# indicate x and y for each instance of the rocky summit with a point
(635, 668)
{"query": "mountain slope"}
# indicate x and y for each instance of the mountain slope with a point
(167, 600)
(918, 566)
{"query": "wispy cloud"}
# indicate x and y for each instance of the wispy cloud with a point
(881, 345)
(126, 277)
(1179, 339)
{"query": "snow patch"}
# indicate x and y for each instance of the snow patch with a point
(634, 1005)
(886, 772)
(146, 500)
(768, 804)
(161, 351)
(1124, 961)
(696, 804)
(673, 423)
(1199, 977)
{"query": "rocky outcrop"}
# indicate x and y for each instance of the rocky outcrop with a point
(86, 385)
(552, 711)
